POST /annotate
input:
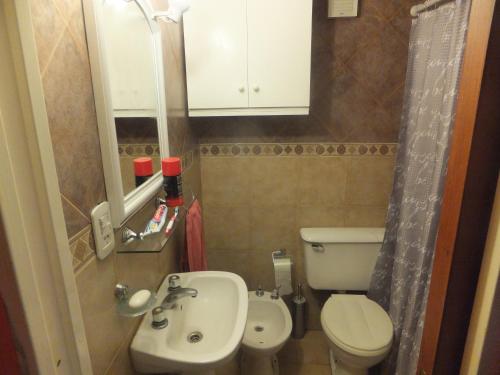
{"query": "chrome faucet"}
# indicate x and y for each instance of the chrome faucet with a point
(276, 292)
(171, 299)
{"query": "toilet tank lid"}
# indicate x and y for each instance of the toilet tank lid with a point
(342, 235)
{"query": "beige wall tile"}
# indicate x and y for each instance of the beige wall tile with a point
(226, 181)
(156, 163)
(48, 24)
(236, 261)
(261, 271)
(320, 216)
(169, 258)
(191, 178)
(274, 180)
(322, 181)
(127, 171)
(73, 126)
(104, 328)
(298, 261)
(139, 271)
(370, 181)
(226, 227)
(75, 219)
(365, 216)
(272, 227)
(122, 363)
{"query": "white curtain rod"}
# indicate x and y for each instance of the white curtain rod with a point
(416, 9)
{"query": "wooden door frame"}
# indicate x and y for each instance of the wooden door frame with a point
(478, 34)
(481, 352)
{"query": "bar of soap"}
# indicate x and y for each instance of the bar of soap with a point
(139, 298)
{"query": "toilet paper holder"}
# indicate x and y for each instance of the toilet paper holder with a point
(279, 254)
(283, 264)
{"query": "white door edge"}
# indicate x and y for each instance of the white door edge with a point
(31, 206)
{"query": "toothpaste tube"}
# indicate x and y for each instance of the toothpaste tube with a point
(158, 220)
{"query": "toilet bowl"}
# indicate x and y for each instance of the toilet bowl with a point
(358, 330)
(359, 333)
(268, 328)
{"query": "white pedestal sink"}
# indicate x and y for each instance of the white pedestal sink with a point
(216, 317)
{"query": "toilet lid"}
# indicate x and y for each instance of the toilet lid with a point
(354, 322)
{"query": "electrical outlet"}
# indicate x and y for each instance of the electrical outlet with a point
(104, 235)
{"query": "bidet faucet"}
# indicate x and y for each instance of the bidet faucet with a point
(276, 292)
(171, 299)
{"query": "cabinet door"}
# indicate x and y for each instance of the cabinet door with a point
(279, 52)
(215, 36)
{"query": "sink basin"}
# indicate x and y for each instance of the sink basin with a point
(203, 332)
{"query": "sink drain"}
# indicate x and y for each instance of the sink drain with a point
(258, 328)
(195, 337)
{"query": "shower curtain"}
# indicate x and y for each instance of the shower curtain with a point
(401, 277)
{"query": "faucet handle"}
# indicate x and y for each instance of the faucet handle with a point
(159, 319)
(276, 292)
(260, 291)
(173, 282)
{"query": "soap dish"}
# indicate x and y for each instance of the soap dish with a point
(124, 295)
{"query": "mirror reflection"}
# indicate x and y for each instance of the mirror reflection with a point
(138, 149)
(131, 68)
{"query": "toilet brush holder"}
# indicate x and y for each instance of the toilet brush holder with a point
(299, 314)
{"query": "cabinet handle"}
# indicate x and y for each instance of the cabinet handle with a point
(256, 88)
(241, 89)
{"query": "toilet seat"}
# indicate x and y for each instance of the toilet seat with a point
(357, 325)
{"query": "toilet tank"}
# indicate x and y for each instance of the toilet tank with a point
(340, 258)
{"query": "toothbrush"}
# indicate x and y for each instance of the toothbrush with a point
(170, 224)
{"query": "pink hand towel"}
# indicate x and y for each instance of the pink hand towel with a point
(195, 243)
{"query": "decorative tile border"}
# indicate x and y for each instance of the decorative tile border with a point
(298, 149)
(133, 150)
(81, 246)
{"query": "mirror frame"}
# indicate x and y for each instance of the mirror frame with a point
(122, 206)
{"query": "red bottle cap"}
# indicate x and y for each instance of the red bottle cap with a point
(143, 166)
(171, 166)
(175, 202)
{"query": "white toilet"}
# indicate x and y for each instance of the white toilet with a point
(358, 330)
(269, 326)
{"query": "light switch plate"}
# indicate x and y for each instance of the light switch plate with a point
(104, 235)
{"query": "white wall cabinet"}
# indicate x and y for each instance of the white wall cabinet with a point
(248, 57)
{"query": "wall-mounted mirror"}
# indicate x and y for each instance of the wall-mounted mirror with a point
(127, 72)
